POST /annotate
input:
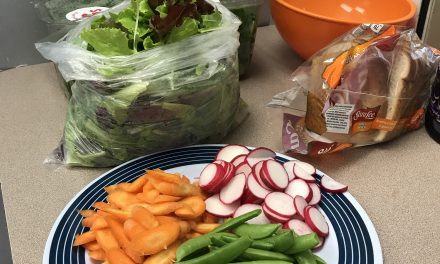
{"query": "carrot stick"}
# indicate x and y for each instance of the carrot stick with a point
(163, 219)
(204, 228)
(97, 254)
(166, 256)
(185, 227)
(120, 214)
(88, 221)
(111, 188)
(99, 223)
(106, 239)
(164, 208)
(84, 238)
(166, 198)
(186, 180)
(92, 246)
(147, 186)
(192, 235)
(151, 195)
(163, 176)
(118, 256)
(135, 186)
(101, 205)
(156, 239)
(132, 228)
(209, 218)
(144, 217)
(185, 212)
(196, 203)
(121, 199)
(87, 213)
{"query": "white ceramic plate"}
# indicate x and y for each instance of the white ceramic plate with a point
(352, 238)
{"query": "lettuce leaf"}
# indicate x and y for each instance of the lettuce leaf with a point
(211, 21)
(107, 41)
(188, 28)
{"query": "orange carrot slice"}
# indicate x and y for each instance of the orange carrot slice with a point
(174, 189)
(163, 176)
(118, 256)
(156, 239)
(166, 256)
(164, 208)
(106, 239)
(185, 227)
(132, 228)
(88, 221)
(144, 217)
(119, 233)
(121, 199)
(99, 223)
(163, 198)
(192, 235)
(163, 219)
(209, 218)
(205, 228)
(196, 203)
(135, 186)
(87, 213)
(84, 238)
(97, 254)
(185, 212)
(111, 188)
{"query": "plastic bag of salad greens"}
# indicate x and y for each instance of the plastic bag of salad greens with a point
(148, 75)
(248, 12)
(61, 15)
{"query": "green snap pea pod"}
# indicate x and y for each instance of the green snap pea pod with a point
(319, 260)
(303, 243)
(193, 245)
(305, 257)
(259, 254)
(222, 255)
(264, 262)
(234, 222)
(255, 244)
(257, 231)
(218, 242)
(281, 231)
(280, 242)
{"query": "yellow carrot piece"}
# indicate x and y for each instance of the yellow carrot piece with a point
(84, 238)
(166, 256)
(205, 228)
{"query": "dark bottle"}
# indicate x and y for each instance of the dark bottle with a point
(432, 123)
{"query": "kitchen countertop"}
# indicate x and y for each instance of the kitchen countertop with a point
(396, 182)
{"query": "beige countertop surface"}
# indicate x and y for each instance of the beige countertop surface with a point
(397, 183)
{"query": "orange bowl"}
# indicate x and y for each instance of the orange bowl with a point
(309, 25)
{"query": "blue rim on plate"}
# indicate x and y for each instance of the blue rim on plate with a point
(357, 240)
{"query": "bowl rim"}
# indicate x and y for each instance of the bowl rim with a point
(407, 17)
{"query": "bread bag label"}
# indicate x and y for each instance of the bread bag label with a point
(337, 118)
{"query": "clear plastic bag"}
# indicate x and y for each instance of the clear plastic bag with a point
(126, 106)
(369, 86)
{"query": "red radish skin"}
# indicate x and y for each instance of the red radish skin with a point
(239, 159)
(306, 166)
(229, 174)
(288, 166)
(302, 174)
(229, 152)
(273, 217)
(321, 243)
(217, 208)
(332, 186)
(243, 168)
(280, 204)
(316, 194)
(256, 189)
(245, 208)
(259, 154)
(300, 204)
(257, 170)
(211, 177)
(299, 227)
(275, 175)
(316, 221)
(249, 198)
(299, 187)
(232, 192)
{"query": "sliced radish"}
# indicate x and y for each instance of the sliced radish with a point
(316, 194)
(259, 154)
(316, 221)
(216, 207)
(233, 191)
(239, 159)
(246, 208)
(243, 168)
(299, 187)
(332, 186)
(288, 166)
(300, 204)
(306, 166)
(299, 227)
(229, 152)
(211, 177)
(302, 174)
(281, 204)
(257, 170)
(274, 217)
(229, 173)
(249, 198)
(275, 174)
(255, 188)
(320, 244)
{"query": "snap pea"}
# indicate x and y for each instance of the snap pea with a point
(281, 242)
(224, 254)
(305, 257)
(257, 231)
(193, 245)
(233, 223)
(259, 254)
(264, 262)
(319, 260)
(303, 243)
(217, 241)
(255, 244)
